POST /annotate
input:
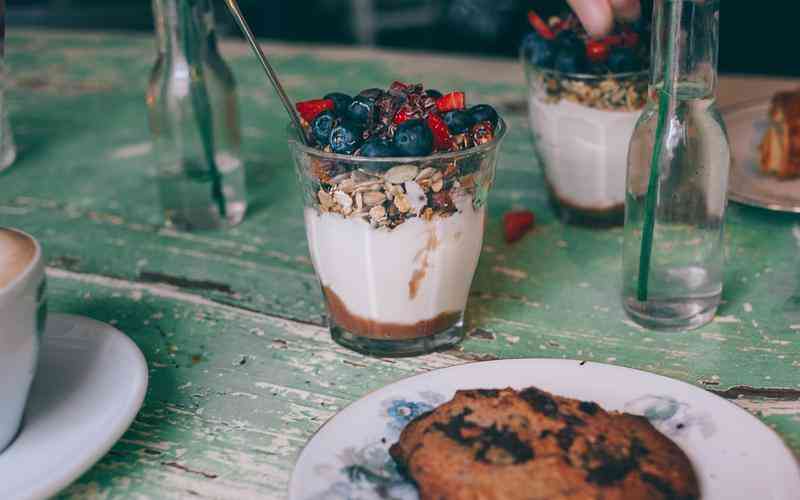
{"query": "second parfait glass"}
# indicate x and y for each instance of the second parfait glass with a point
(395, 242)
(582, 125)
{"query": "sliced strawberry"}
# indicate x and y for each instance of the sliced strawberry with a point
(451, 101)
(442, 140)
(402, 115)
(310, 109)
(597, 51)
(612, 40)
(516, 224)
(540, 26)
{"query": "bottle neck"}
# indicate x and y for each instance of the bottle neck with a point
(695, 47)
(184, 28)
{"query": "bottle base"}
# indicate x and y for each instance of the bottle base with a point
(675, 316)
(398, 348)
(204, 218)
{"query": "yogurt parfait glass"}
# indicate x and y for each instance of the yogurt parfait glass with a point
(395, 242)
(581, 126)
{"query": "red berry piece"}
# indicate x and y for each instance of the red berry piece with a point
(310, 109)
(612, 40)
(630, 39)
(516, 224)
(451, 101)
(597, 51)
(540, 26)
(442, 140)
(403, 114)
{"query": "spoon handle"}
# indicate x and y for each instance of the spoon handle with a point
(287, 103)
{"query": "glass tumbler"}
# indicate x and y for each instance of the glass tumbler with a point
(395, 242)
(581, 126)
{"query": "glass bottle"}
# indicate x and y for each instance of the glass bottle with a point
(677, 284)
(8, 149)
(194, 120)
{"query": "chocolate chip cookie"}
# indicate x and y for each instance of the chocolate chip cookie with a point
(505, 444)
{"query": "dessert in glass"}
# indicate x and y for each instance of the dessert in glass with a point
(395, 185)
(584, 99)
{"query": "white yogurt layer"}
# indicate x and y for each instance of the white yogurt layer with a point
(584, 150)
(414, 272)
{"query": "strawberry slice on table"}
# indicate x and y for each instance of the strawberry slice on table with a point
(517, 223)
(540, 26)
(310, 109)
(451, 101)
(442, 140)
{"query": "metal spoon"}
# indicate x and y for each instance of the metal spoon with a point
(233, 7)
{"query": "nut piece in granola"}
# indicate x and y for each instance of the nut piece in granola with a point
(401, 174)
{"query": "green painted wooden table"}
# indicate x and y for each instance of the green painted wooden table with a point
(242, 370)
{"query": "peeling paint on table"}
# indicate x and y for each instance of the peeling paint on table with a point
(242, 369)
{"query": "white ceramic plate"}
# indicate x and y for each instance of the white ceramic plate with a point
(735, 456)
(89, 385)
(746, 124)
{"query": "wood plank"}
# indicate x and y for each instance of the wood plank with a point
(234, 395)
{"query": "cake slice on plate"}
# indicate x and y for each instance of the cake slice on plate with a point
(780, 149)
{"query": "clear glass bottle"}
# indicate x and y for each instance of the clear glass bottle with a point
(194, 120)
(8, 149)
(679, 284)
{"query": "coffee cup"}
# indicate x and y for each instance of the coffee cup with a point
(22, 317)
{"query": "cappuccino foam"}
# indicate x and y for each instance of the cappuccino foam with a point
(17, 251)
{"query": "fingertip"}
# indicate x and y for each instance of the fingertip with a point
(596, 16)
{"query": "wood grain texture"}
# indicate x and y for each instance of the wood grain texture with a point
(231, 323)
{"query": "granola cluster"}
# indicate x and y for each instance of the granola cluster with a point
(390, 198)
(612, 94)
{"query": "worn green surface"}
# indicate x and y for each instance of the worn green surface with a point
(242, 372)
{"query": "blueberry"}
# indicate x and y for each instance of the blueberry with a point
(371, 94)
(413, 138)
(484, 113)
(340, 102)
(433, 93)
(361, 110)
(321, 127)
(345, 138)
(458, 121)
(377, 147)
(623, 60)
(538, 51)
(569, 60)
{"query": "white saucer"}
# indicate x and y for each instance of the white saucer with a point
(734, 455)
(89, 385)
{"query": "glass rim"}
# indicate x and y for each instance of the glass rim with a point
(583, 76)
(499, 134)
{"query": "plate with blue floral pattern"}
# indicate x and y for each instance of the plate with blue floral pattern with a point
(734, 455)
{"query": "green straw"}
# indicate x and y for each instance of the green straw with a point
(665, 108)
(200, 101)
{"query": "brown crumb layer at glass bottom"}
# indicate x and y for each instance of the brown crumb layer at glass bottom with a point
(385, 331)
